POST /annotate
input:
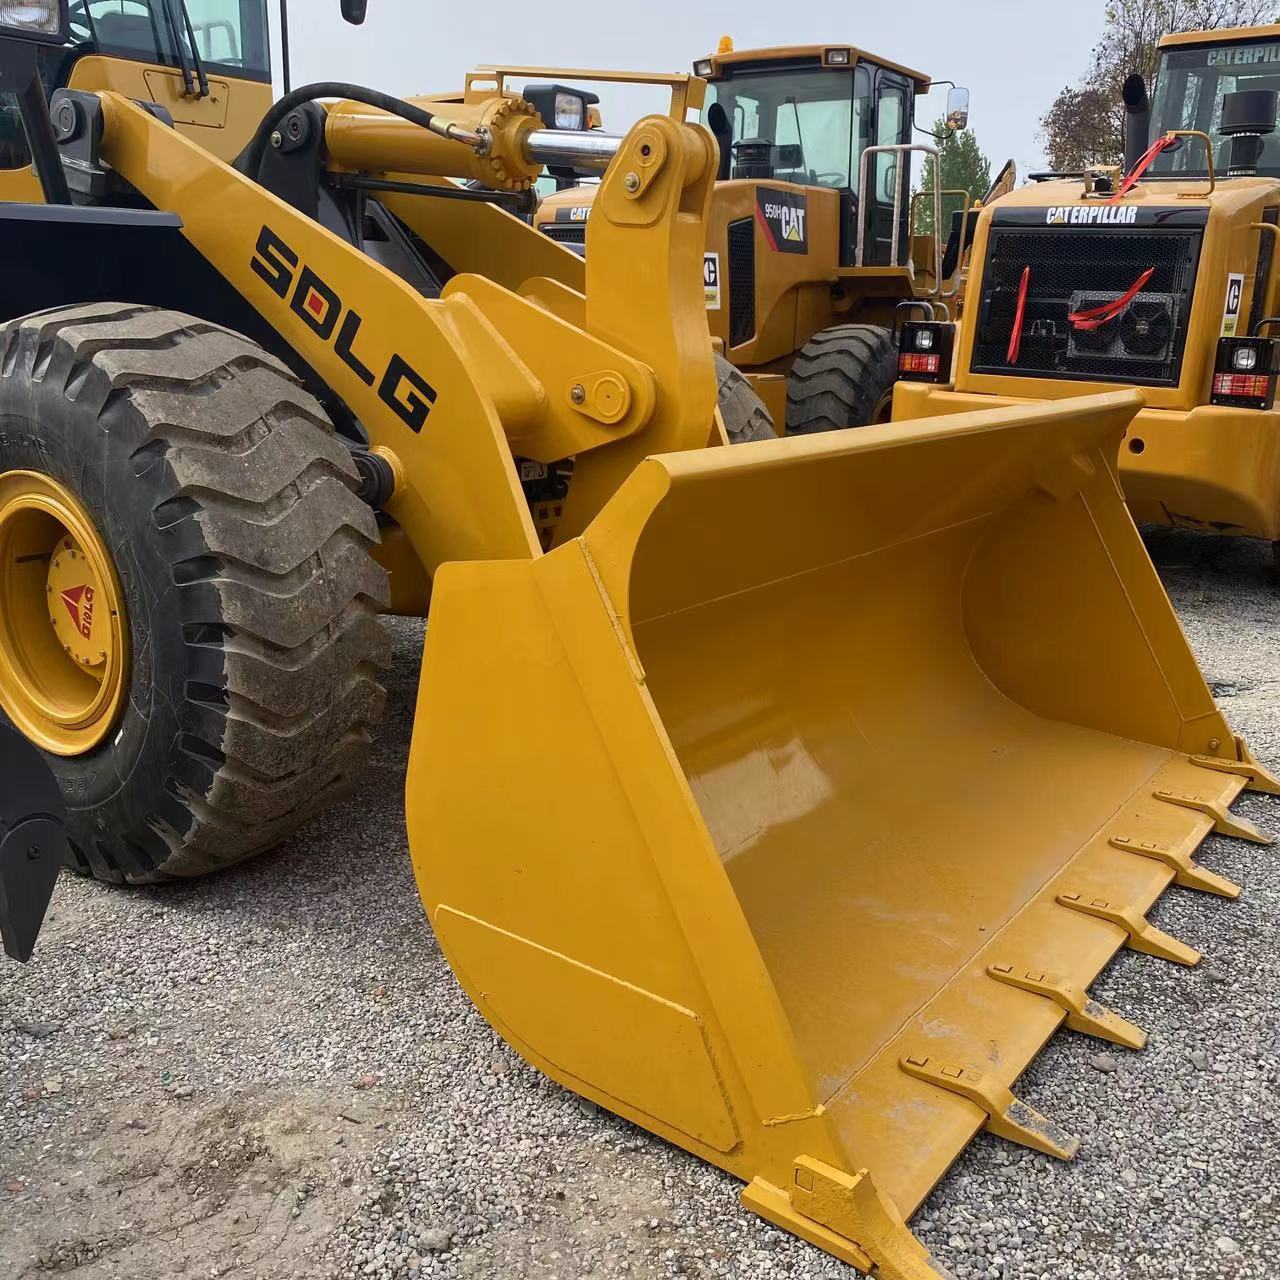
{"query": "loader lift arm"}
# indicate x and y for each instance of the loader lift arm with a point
(562, 391)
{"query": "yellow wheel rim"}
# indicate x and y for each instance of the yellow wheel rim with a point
(64, 655)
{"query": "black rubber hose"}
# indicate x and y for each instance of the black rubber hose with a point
(251, 157)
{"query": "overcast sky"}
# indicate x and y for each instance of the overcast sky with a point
(1013, 57)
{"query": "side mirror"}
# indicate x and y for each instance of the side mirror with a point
(42, 21)
(958, 108)
(354, 10)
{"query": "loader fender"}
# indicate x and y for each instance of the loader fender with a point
(812, 919)
(32, 842)
(68, 255)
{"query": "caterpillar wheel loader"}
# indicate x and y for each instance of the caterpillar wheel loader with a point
(809, 920)
(810, 262)
(1163, 276)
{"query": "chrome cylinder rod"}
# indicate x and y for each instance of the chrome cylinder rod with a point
(585, 149)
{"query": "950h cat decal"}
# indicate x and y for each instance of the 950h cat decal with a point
(401, 387)
(784, 215)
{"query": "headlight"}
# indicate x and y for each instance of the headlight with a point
(1244, 358)
(837, 57)
(571, 111)
(43, 20)
(924, 339)
(703, 69)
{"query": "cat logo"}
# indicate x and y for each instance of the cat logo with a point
(784, 218)
(1097, 215)
(711, 281)
(1231, 308)
(1243, 55)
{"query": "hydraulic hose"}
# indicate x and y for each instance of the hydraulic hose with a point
(251, 157)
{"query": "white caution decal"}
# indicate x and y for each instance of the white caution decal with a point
(1231, 308)
(711, 280)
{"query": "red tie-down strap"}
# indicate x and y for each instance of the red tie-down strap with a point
(1141, 165)
(1015, 338)
(1096, 317)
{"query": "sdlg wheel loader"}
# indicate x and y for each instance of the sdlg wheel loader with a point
(783, 799)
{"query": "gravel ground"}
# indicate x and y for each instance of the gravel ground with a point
(272, 1073)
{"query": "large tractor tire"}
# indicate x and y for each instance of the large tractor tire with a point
(842, 377)
(188, 601)
(742, 411)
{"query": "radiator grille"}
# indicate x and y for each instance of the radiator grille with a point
(1075, 270)
(742, 281)
(566, 232)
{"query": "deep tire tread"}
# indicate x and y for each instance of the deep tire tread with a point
(839, 378)
(743, 413)
(272, 596)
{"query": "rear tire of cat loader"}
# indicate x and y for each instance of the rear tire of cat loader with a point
(229, 598)
(743, 412)
(842, 377)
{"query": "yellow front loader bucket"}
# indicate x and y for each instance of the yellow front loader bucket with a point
(791, 808)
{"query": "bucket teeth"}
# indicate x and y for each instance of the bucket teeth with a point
(1189, 875)
(1258, 776)
(847, 1215)
(1143, 935)
(1007, 1116)
(1224, 823)
(1083, 1014)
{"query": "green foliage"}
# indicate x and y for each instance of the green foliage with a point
(964, 168)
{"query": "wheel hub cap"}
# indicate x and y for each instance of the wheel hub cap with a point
(63, 638)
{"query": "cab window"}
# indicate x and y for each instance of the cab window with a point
(14, 153)
(804, 120)
(1190, 86)
(862, 114)
(891, 113)
(230, 37)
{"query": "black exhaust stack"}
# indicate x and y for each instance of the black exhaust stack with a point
(1247, 117)
(1137, 119)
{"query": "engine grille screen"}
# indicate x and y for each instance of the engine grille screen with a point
(566, 232)
(1074, 271)
(742, 281)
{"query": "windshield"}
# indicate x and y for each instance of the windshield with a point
(1190, 86)
(231, 35)
(813, 121)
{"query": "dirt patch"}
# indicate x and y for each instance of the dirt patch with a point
(242, 1186)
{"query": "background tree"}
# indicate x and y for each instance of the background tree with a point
(964, 168)
(1085, 124)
